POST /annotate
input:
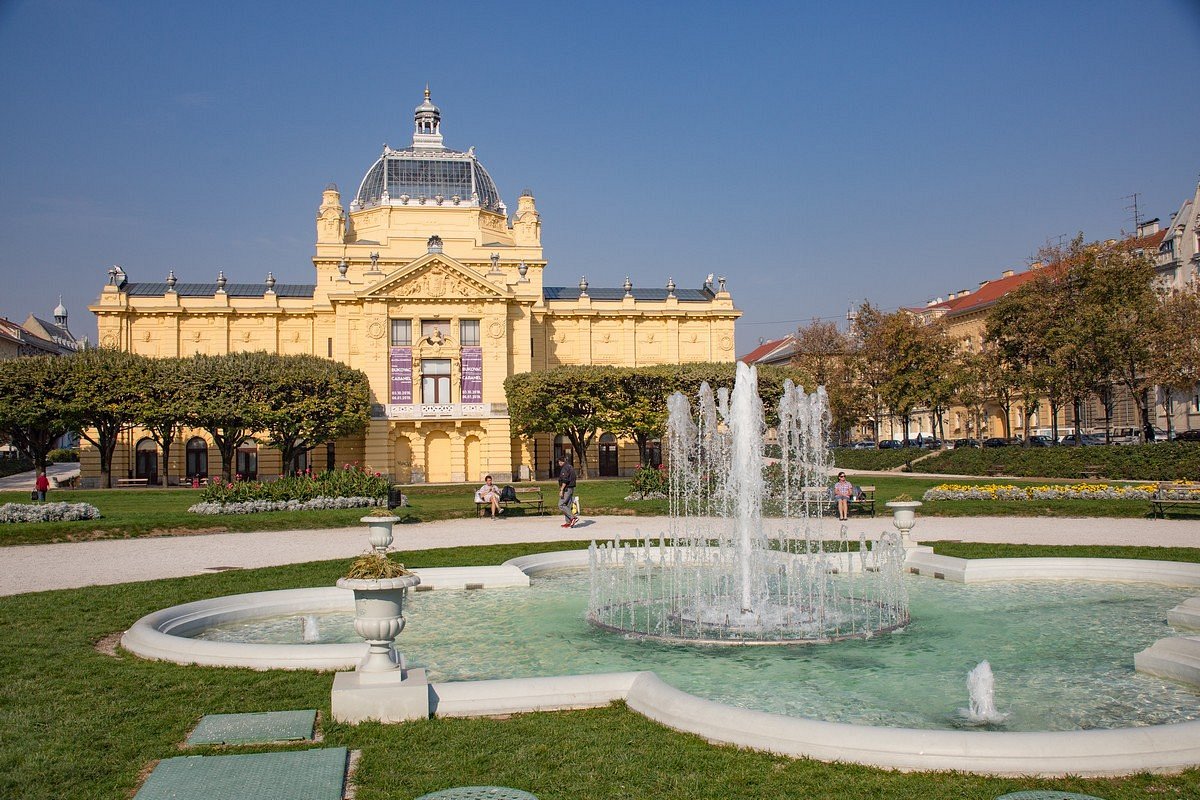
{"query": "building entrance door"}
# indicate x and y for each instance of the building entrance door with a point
(609, 467)
(146, 462)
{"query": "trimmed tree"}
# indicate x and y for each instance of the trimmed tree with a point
(105, 388)
(163, 406)
(33, 408)
(309, 401)
(225, 398)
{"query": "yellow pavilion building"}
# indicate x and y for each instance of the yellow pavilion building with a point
(428, 285)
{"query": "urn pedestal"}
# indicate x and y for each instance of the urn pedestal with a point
(904, 517)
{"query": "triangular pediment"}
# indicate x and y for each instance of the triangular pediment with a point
(434, 276)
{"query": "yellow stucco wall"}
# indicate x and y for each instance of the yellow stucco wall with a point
(486, 269)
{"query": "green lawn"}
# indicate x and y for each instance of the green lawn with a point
(77, 723)
(155, 512)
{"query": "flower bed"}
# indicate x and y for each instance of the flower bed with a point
(47, 512)
(259, 506)
(350, 481)
(1073, 491)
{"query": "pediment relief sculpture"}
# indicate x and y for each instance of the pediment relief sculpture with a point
(437, 280)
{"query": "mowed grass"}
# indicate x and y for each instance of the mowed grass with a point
(77, 723)
(158, 512)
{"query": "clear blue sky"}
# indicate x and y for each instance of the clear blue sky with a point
(815, 153)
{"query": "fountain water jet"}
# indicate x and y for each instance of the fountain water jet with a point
(981, 687)
(727, 573)
(310, 629)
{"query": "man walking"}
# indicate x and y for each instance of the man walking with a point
(566, 490)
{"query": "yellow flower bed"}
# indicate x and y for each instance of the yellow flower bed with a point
(1062, 491)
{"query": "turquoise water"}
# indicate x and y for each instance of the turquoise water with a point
(1062, 653)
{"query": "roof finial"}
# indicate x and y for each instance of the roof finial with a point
(427, 91)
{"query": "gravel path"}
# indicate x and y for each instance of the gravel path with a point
(28, 568)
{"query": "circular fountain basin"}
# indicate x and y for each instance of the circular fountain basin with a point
(1113, 751)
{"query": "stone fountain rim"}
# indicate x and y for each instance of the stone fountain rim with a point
(1114, 751)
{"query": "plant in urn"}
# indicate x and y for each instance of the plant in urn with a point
(380, 586)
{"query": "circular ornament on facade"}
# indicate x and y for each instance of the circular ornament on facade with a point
(495, 329)
(726, 343)
(109, 340)
(375, 330)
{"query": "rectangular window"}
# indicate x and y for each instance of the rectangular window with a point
(401, 333)
(468, 332)
(435, 380)
(329, 347)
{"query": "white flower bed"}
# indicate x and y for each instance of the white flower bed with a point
(47, 512)
(646, 496)
(259, 506)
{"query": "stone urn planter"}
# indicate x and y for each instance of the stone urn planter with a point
(379, 531)
(904, 517)
(379, 587)
(379, 617)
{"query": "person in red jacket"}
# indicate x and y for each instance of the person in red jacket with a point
(41, 484)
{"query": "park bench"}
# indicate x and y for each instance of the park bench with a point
(864, 500)
(1170, 495)
(1091, 472)
(124, 483)
(527, 497)
(994, 470)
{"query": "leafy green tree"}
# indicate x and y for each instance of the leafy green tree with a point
(1175, 364)
(638, 409)
(831, 358)
(969, 387)
(573, 401)
(1018, 329)
(163, 406)
(308, 401)
(33, 408)
(225, 397)
(104, 390)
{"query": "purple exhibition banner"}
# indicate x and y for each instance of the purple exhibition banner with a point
(472, 374)
(401, 369)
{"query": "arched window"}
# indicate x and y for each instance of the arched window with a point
(609, 461)
(197, 458)
(146, 461)
(654, 455)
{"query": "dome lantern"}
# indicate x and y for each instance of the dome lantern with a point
(60, 313)
(427, 126)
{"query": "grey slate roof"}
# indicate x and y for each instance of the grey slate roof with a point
(158, 289)
(657, 295)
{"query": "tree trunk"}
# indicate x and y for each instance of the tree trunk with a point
(1054, 420)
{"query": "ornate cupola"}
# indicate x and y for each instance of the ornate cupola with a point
(427, 126)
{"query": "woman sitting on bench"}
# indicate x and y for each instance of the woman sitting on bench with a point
(489, 493)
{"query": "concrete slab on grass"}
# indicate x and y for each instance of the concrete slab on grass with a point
(300, 775)
(269, 726)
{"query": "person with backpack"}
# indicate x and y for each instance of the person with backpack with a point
(490, 493)
(566, 490)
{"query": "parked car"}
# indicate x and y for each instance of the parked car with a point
(965, 443)
(865, 444)
(996, 441)
(888, 444)
(1087, 439)
(1187, 436)
(933, 444)
(1040, 441)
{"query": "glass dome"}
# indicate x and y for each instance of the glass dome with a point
(421, 177)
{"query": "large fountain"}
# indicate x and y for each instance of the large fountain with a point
(745, 559)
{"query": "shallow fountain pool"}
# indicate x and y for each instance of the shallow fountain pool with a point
(1062, 653)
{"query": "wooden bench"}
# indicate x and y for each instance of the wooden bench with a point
(124, 483)
(527, 497)
(819, 495)
(1091, 472)
(994, 470)
(1163, 500)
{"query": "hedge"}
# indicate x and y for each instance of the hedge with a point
(1162, 461)
(877, 459)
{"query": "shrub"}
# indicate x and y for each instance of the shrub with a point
(14, 466)
(1162, 461)
(649, 481)
(63, 455)
(375, 566)
(351, 481)
(47, 512)
(877, 459)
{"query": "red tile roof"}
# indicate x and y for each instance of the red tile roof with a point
(764, 349)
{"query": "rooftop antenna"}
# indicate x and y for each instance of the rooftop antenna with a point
(1133, 206)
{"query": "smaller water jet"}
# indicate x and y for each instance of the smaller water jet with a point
(981, 687)
(310, 629)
